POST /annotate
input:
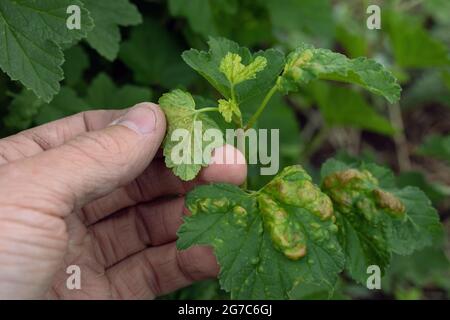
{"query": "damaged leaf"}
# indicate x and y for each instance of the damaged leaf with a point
(266, 242)
(375, 218)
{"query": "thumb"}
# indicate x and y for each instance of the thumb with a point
(95, 163)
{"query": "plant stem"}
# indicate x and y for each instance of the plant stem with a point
(255, 117)
(211, 109)
(261, 108)
(315, 144)
(401, 142)
(233, 95)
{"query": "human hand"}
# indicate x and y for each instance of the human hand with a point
(92, 191)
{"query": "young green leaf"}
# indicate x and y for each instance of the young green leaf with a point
(376, 219)
(185, 150)
(228, 109)
(269, 241)
(31, 33)
(236, 72)
(108, 16)
(307, 63)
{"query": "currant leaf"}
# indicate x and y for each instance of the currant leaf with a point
(375, 218)
(31, 33)
(185, 150)
(236, 72)
(227, 58)
(307, 63)
(269, 241)
(108, 16)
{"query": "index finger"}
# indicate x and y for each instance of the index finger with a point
(53, 134)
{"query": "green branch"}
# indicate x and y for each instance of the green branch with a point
(261, 108)
(210, 109)
(315, 144)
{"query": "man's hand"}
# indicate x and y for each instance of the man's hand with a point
(90, 190)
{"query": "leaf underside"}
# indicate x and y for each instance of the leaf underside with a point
(179, 107)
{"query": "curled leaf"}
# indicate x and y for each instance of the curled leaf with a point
(208, 65)
(375, 218)
(236, 72)
(286, 234)
(292, 71)
(358, 190)
(228, 109)
(307, 63)
(185, 148)
(294, 187)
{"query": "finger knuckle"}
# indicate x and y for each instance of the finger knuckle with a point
(103, 149)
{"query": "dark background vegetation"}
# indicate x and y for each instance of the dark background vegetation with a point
(323, 120)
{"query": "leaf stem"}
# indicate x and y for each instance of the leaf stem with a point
(210, 109)
(233, 94)
(401, 142)
(261, 108)
(315, 143)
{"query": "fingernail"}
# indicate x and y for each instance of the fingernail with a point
(141, 119)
